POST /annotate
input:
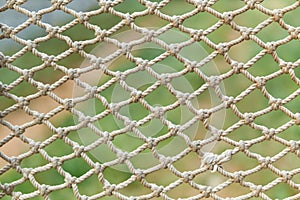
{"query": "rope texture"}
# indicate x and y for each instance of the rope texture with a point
(210, 162)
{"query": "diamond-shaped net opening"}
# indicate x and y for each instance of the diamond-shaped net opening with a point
(140, 99)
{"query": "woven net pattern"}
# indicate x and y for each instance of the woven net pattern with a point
(253, 156)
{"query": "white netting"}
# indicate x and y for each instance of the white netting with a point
(51, 148)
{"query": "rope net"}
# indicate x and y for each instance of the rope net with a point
(228, 133)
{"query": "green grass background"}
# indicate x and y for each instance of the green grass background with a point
(233, 86)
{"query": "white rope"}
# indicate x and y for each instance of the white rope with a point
(100, 147)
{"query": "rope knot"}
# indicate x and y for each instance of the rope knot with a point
(269, 133)
(7, 189)
(294, 32)
(256, 189)
(105, 4)
(151, 142)
(77, 46)
(187, 176)
(128, 19)
(264, 162)
(70, 180)
(200, 4)
(182, 98)
(136, 95)
(78, 150)
(142, 64)
(203, 114)
(277, 14)
(176, 21)
(44, 190)
(3, 60)
(197, 34)
(130, 124)
(270, 47)
(228, 101)
(109, 189)
(68, 104)
(248, 118)
(15, 162)
(294, 146)
(35, 17)
(158, 112)
(227, 17)
(222, 48)
(260, 82)
(275, 103)
(252, 3)
(237, 67)
(286, 175)
(152, 7)
(2, 87)
(214, 81)
(246, 32)
(6, 30)
(82, 17)
(213, 161)
(140, 175)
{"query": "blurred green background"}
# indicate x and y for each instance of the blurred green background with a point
(279, 87)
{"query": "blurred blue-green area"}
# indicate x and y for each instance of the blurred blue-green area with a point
(279, 87)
